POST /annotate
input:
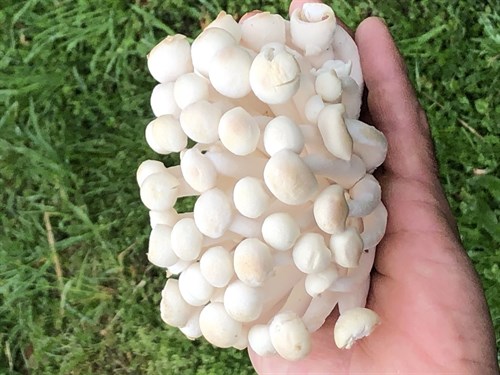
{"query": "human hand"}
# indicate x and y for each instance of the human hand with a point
(432, 308)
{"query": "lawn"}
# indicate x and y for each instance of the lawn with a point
(77, 295)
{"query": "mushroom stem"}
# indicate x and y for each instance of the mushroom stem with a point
(319, 309)
(355, 298)
(245, 227)
(344, 173)
(356, 275)
(277, 288)
(229, 164)
(298, 300)
(168, 217)
(288, 109)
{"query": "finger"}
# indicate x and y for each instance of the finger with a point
(295, 4)
(393, 105)
(395, 110)
(249, 14)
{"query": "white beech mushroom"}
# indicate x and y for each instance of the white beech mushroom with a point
(353, 325)
(287, 214)
(170, 58)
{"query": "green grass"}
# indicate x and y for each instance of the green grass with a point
(74, 101)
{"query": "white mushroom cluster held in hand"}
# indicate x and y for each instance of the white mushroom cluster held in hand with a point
(288, 214)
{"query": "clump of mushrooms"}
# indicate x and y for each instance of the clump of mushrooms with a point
(288, 213)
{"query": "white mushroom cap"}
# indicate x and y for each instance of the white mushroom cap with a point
(313, 107)
(186, 239)
(253, 261)
(374, 226)
(218, 327)
(261, 29)
(342, 68)
(283, 133)
(365, 195)
(317, 283)
(312, 27)
(250, 197)
(206, 46)
(162, 100)
(200, 121)
(198, 170)
(310, 253)
(280, 231)
(369, 143)
(328, 86)
(242, 342)
(289, 178)
(274, 75)
(213, 213)
(331, 210)
(226, 22)
(170, 58)
(229, 72)
(334, 132)
(216, 265)
(160, 251)
(164, 135)
(242, 302)
(193, 287)
(192, 328)
(190, 88)
(159, 191)
(353, 325)
(238, 131)
(151, 141)
(289, 336)
(147, 168)
(175, 311)
(178, 267)
(259, 339)
(347, 248)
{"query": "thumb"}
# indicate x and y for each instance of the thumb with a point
(395, 110)
(393, 105)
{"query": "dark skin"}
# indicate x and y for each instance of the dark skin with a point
(433, 311)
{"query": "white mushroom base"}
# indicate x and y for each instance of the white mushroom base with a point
(288, 213)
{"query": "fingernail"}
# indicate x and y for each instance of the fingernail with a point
(249, 14)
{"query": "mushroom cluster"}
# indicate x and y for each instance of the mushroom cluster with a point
(288, 213)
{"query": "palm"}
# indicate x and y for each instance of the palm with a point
(423, 290)
(432, 309)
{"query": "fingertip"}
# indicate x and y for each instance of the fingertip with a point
(249, 14)
(369, 24)
(298, 4)
(380, 59)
